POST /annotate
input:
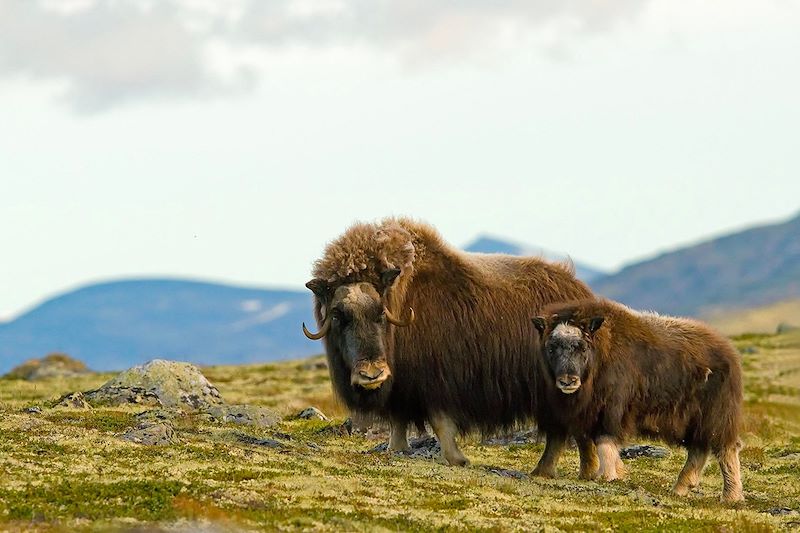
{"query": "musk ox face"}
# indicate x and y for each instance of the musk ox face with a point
(356, 322)
(567, 349)
(358, 328)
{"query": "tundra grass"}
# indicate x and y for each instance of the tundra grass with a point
(68, 470)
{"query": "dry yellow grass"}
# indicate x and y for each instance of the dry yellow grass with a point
(65, 470)
(763, 319)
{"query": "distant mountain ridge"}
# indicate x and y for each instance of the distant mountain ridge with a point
(496, 245)
(749, 268)
(117, 324)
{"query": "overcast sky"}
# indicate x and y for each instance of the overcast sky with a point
(230, 140)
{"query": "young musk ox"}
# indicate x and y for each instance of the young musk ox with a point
(610, 373)
(416, 330)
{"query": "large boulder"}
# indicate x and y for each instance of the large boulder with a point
(53, 365)
(161, 383)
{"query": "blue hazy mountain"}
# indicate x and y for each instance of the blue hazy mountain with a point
(748, 268)
(493, 245)
(118, 324)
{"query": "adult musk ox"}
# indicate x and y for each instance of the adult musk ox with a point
(609, 373)
(416, 330)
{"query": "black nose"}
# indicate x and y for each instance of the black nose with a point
(568, 381)
(367, 376)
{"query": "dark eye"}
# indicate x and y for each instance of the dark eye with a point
(338, 317)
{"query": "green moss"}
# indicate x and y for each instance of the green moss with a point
(141, 499)
(100, 420)
(67, 469)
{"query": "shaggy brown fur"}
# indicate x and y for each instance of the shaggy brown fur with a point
(639, 374)
(465, 363)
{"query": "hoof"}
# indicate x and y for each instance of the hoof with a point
(547, 473)
(457, 461)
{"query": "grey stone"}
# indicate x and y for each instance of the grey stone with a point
(249, 415)
(316, 365)
(781, 511)
(643, 450)
(505, 472)
(312, 413)
(523, 436)
(50, 366)
(73, 400)
(158, 383)
(421, 448)
(642, 496)
(35, 410)
(151, 434)
(255, 441)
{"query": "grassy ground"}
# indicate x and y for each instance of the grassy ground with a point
(66, 470)
(764, 319)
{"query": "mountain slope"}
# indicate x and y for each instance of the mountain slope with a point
(115, 325)
(493, 245)
(746, 269)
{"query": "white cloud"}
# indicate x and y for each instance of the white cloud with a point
(115, 51)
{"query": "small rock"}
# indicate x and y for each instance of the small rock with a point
(35, 410)
(504, 472)
(749, 350)
(255, 441)
(158, 383)
(53, 365)
(312, 413)
(643, 450)
(151, 434)
(525, 436)
(642, 496)
(781, 511)
(421, 448)
(249, 415)
(316, 365)
(74, 400)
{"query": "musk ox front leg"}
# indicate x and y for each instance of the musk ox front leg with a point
(398, 438)
(589, 461)
(611, 466)
(553, 448)
(690, 474)
(446, 432)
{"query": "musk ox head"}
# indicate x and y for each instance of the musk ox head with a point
(356, 322)
(567, 346)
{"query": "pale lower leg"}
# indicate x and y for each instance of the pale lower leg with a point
(398, 438)
(446, 432)
(611, 466)
(552, 451)
(690, 474)
(731, 475)
(589, 460)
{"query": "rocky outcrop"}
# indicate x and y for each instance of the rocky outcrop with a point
(161, 383)
(50, 366)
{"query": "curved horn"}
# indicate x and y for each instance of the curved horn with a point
(326, 326)
(396, 321)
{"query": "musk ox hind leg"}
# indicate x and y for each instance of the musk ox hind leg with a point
(611, 466)
(589, 461)
(731, 476)
(446, 432)
(398, 437)
(689, 477)
(554, 446)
